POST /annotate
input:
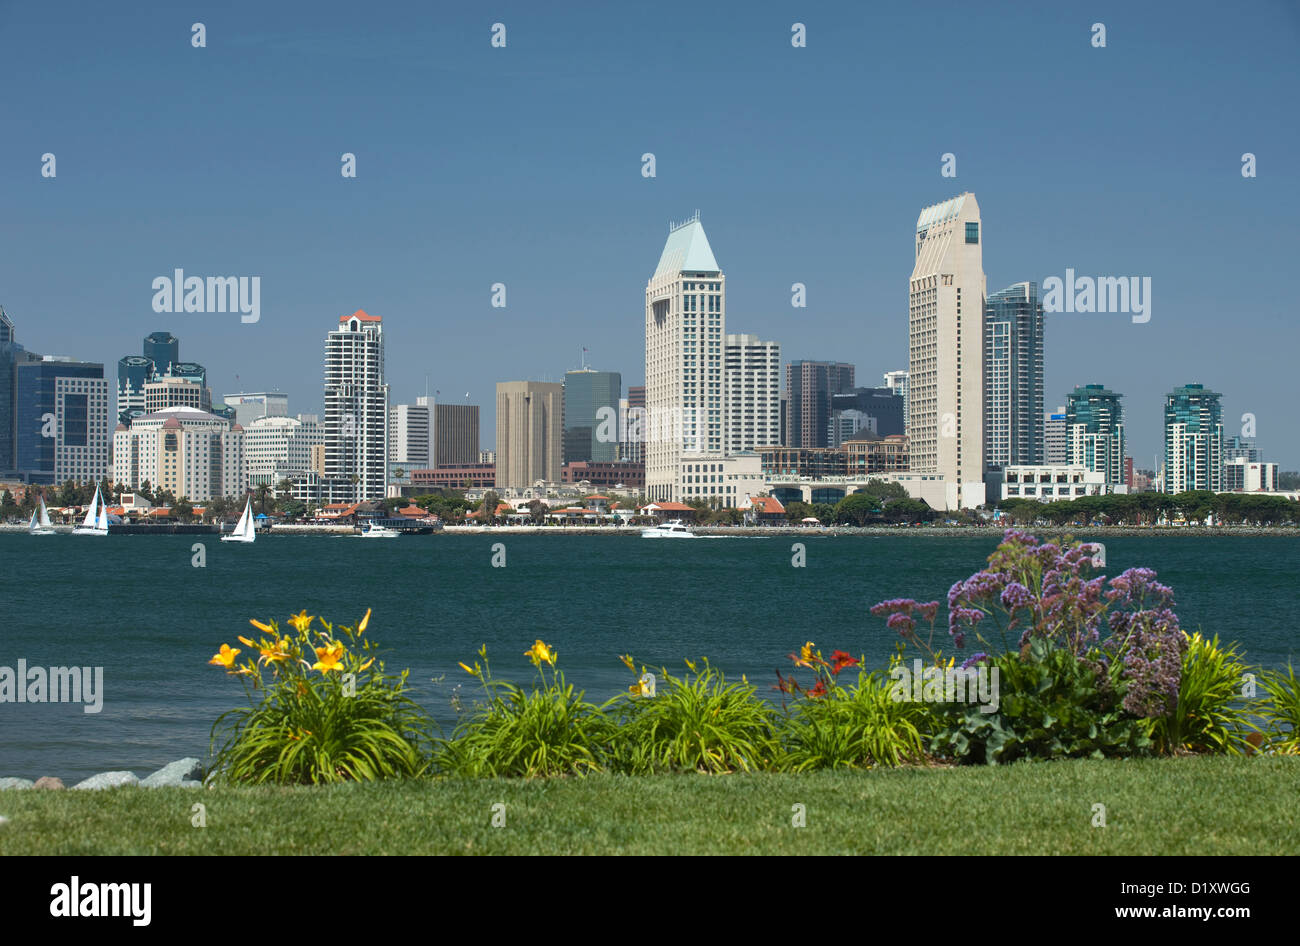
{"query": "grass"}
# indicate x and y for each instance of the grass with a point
(1196, 806)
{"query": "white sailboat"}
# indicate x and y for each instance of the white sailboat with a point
(96, 521)
(40, 524)
(244, 530)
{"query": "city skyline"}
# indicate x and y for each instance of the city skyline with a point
(1106, 190)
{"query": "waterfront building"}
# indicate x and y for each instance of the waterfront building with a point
(722, 482)
(620, 474)
(282, 448)
(945, 348)
(591, 401)
(685, 327)
(192, 453)
(865, 456)
(1051, 482)
(11, 354)
(530, 432)
(1193, 440)
(356, 406)
(809, 389)
(1013, 377)
(61, 419)
(458, 476)
(751, 373)
(1094, 427)
(1240, 474)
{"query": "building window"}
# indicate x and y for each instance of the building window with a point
(972, 232)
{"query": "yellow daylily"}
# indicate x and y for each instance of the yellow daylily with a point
(539, 652)
(366, 664)
(246, 642)
(691, 664)
(301, 620)
(226, 658)
(275, 653)
(328, 658)
(260, 626)
(361, 628)
(640, 688)
(627, 662)
(472, 671)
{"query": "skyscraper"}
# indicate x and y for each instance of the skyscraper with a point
(410, 438)
(591, 415)
(632, 425)
(896, 381)
(945, 343)
(1094, 431)
(1193, 440)
(685, 324)
(61, 420)
(1056, 444)
(1013, 377)
(163, 349)
(356, 405)
(453, 433)
(751, 393)
(530, 433)
(809, 387)
(10, 354)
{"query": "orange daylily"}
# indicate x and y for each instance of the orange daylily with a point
(328, 658)
(301, 620)
(539, 652)
(226, 658)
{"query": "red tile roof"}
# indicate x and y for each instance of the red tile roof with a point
(767, 504)
(361, 314)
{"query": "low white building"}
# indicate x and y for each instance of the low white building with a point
(723, 482)
(1241, 475)
(1051, 482)
(279, 448)
(189, 452)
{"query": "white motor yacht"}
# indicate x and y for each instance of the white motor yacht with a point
(668, 530)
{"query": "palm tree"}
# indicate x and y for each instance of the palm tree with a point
(263, 494)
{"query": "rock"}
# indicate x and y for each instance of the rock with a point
(7, 783)
(177, 773)
(191, 783)
(49, 781)
(107, 780)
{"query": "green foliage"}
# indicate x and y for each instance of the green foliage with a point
(1208, 716)
(1051, 705)
(700, 723)
(1282, 711)
(353, 722)
(518, 733)
(857, 509)
(861, 726)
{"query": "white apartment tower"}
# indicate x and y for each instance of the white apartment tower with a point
(356, 405)
(410, 435)
(751, 393)
(896, 381)
(946, 350)
(685, 325)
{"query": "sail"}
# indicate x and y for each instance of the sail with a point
(92, 513)
(44, 521)
(101, 523)
(31, 526)
(245, 527)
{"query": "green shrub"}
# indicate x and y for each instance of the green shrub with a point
(858, 726)
(518, 733)
(700, 723)
(353, 722)
(1208, 716)
(1051, 705)
(1282, 711)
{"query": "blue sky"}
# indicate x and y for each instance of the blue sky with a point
(522, 165)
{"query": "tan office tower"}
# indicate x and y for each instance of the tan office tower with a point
(946, 343)
(530, 433)
(685, 325)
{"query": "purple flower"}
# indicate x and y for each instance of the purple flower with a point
(973, 659)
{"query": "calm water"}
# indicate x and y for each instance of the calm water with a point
(136, 606)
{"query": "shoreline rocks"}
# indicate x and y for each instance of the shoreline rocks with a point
(183, 773)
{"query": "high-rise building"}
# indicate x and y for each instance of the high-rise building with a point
(11, 354)
(809, 388)
(896, 381)
(847, 424)
(356, 405)
(1193, 440)
(632, 425)
(61, 420)
(174, 391)
(1241, 448)
(410, 439)
(530, 433)
(946, 349)
(751, 388)
(1056, 442)
(278, 448)
(1013, 377)
(249, 407)
(133, 373)
(453, 433)
(1094, 431)
(591, 415)
(685, 325)
(192, 453)
(163, 349)
(883, 405)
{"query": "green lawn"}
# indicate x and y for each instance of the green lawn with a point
(1197, 806)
